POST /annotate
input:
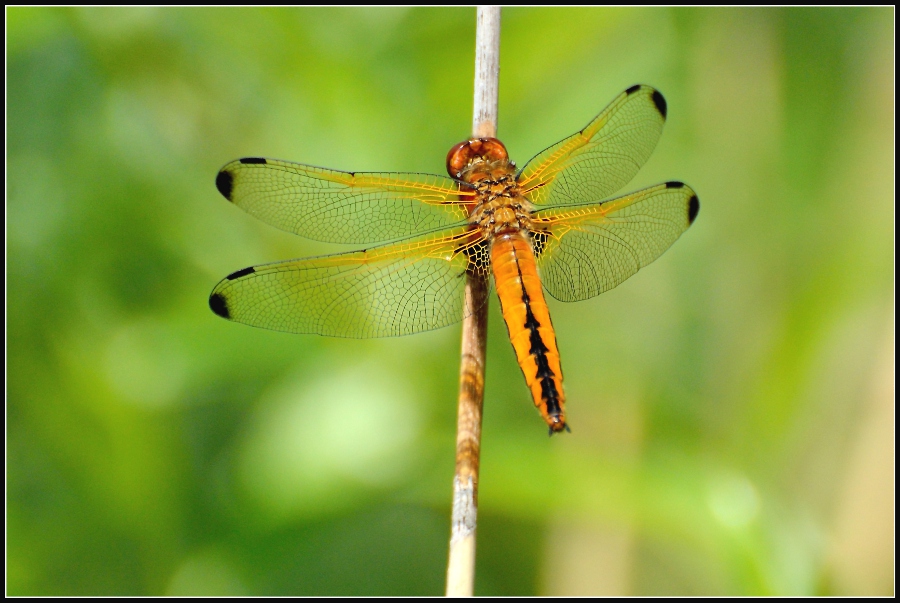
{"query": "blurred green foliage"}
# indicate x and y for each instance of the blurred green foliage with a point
(731, 405)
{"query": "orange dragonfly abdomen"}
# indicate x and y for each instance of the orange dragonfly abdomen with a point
(528, 321)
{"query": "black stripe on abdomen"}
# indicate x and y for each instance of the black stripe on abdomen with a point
(539, 350)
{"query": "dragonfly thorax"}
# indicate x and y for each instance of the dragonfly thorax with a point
(500, 205)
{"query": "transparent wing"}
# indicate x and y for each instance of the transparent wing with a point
(396, 289)
(342, 207)
(586, 250)
(601, 158)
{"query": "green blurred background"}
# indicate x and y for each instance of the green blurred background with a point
(731, 404)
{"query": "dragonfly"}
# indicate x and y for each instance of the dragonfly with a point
(545, 226)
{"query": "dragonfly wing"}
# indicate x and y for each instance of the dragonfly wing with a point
(601, 158)
(586, 250)
(396, 289)
(341, 207)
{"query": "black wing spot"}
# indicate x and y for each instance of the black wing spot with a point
(253, 160)
(539, 240)
(693, 209)
(633, 89)
(660, 103)
(240, 273)
(225, 183)
(219, 305)
(479, 256)
(674, 184)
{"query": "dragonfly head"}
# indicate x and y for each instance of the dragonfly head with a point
(474, 150)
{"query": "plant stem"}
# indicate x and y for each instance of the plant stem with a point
(461, 566)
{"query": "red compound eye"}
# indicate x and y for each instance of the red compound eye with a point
(465, 152)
